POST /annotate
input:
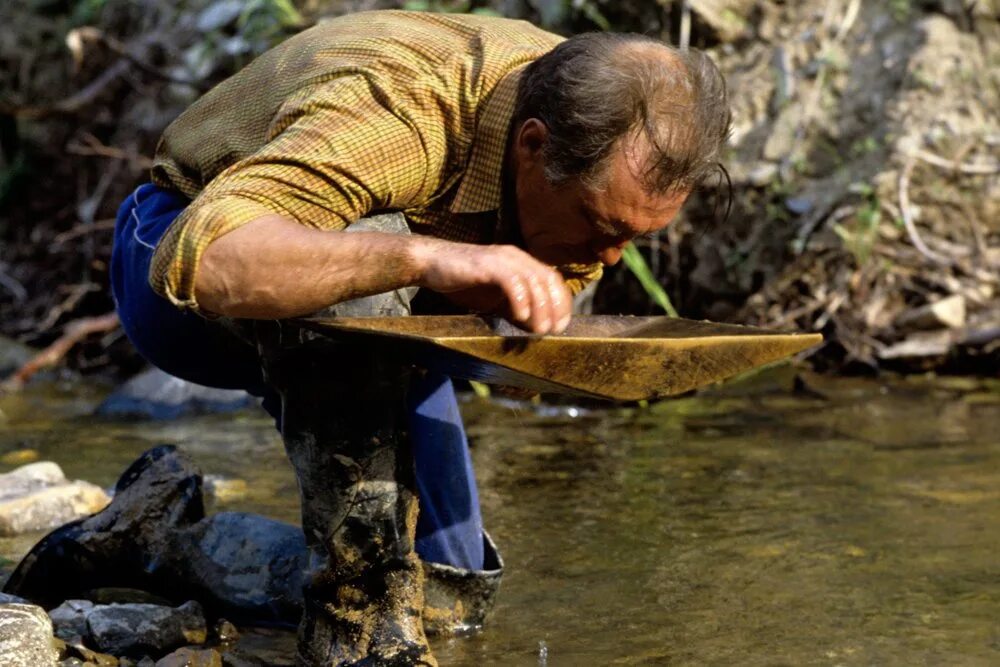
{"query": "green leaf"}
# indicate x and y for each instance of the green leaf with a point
(637, 265)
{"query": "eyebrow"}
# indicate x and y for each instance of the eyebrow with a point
(619, 226)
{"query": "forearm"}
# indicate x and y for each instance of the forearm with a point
(275, 268)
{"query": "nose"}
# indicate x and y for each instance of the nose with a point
(611, 253)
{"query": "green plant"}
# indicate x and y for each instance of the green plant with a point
(860, 238)
(636, 264)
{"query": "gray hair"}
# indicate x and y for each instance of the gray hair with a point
(596, 89)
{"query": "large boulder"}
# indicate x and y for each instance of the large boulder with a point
(38, 496)
(26, 637)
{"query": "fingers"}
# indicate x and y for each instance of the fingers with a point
(537, 295)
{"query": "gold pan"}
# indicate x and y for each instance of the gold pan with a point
(609, 357)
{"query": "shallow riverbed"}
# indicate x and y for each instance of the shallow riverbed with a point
(845, 522)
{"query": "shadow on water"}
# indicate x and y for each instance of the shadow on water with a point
(849, 522)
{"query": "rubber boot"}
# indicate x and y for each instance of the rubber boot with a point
(344, 428)
(457, 600)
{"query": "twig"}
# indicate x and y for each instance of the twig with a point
(81, 230)
(74, 102)
(964, 168)
(907, 213)
(77, 35)
(76, 293)
(90, 145)
(74, 332)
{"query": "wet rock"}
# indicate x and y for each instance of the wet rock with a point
(158, 395)
(20, 457)
(159, 493)
(224, 490)
(26, 636)
(188, 657)
(6, 598)
(137, 629)
(77, 651)
(38, 496)
(225, 632)
(70, 619)
(154, 537)
(123, 595)
(245, 566)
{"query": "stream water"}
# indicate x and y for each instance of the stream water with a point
(846, 522)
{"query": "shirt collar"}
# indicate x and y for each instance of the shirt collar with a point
(481, 186)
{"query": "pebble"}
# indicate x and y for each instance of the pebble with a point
(189, 657)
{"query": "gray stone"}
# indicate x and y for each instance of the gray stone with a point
(26, 637)
(50, 507)
(154, 394)
(37, 496)
(31, 477)
(70, 619)
(6, 598)
(137, 629)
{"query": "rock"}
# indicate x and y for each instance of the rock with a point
(78, 651)
(137, 629)
(6, 598)
(20, 457)
(26, 637)
(225, 632)
(38, 496)
(124, 595)
(188, 657)
(70, 619)
(921, 344)
(243, 565)
(158, 395)
(222, 490)
(948, 312)
(156, 495)
(50, 507)
(30, 478)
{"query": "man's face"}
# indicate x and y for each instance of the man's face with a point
(574, 224)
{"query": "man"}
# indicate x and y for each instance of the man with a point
(520, 163)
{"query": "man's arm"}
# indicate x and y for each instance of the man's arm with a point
(273, 267)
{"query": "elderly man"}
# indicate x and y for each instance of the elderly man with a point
(512, 164)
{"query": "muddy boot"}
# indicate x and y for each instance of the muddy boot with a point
(456, 600)
(159, 494)
(344, 427)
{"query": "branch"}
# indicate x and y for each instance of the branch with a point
(74, 332)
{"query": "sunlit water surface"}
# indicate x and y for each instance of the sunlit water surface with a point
(844, 523)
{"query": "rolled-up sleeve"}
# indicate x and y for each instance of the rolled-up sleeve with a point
(334, 153)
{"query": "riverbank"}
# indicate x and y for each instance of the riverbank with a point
(864, 159)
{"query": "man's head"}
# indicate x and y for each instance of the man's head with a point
(610, 134)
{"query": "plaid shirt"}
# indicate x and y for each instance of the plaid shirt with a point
(372, 112)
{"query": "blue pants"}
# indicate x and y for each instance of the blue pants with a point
(449, 527)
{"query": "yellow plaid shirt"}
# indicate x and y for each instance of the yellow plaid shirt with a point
(372, 112)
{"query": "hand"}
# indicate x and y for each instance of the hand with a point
(534, 294)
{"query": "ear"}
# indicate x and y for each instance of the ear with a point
(529, 141)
